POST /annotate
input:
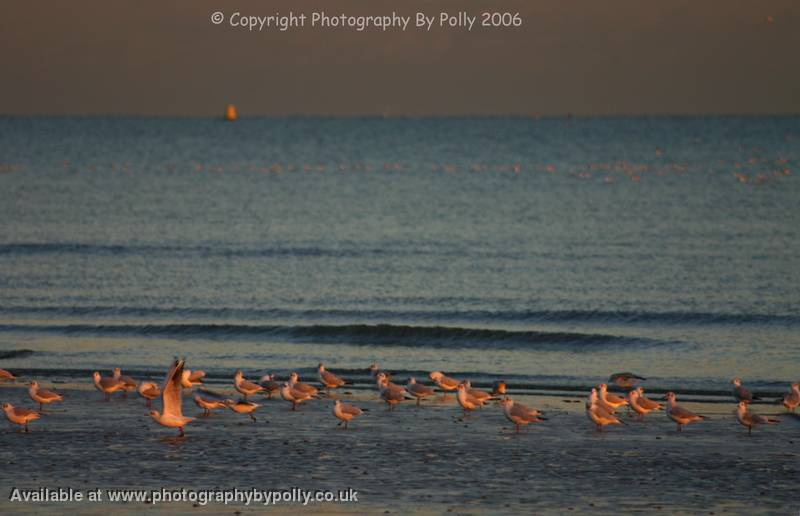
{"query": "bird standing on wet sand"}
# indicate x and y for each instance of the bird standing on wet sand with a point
(374, 370)
(245, 387)
(171, 399)
(644, 401)
(748, 419)
(478, 394)
(499, 388)
(519, 414)
(5, 376)
(680, 415)
(107, 385)
(20, 416)
(294, 396)
(391, 396)
(328, 379)
(345, 412)
(791, 400)
(128, 382)
(243, 407)
(42, 396)
(444, 382)
(467, 401)
(149, 391)
(742, 394)
(635, 403)
(609, 400)
(625, 380)
(418, 390)
(296, 384)
(598, 414)
(208, 404)
(381, 380)
(269, 384)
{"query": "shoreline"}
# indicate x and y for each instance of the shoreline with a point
(411, 460)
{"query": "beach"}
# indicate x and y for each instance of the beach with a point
(413, 460)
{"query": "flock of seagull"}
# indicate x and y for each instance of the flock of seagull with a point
(601, 405)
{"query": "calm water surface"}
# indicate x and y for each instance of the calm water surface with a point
(548, 252)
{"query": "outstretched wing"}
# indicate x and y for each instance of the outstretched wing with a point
(171, 391)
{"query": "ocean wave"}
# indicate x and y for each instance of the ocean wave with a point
(358, 334)
(15, 353)
(510, 316)
(32, 248)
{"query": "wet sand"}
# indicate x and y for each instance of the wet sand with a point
(426, 460)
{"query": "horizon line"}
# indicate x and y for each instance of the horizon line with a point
(410, 116)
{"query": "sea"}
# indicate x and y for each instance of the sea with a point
(546, 252)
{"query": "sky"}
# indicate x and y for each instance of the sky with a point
(581, 57)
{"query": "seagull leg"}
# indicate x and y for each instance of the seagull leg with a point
(679, 427)
(26, 427)
(750, 430)
(181, 434)
(253, 418)
(345, 425)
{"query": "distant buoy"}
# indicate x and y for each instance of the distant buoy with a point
(230, 113)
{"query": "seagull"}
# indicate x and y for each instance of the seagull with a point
(679, 414)
(478, 394)
(20, 416)
(624, 380)
(792, 399)
(467, 401)
(374, 370)
(444, 382)
(172, 416)
(190, 379)
(391, 396)
(345, 412)
(243, 386)
(748, 419)
(742, 394)
(294, 396)
(418, 390)
(328, 379)
(107, 385)
(42, 396)
(383, 380)
(645, 402)
(519, 414)
(610, 400)
(295, 383)
(149, 391)
(243, 407)
(6, 376)
(208, 404)
(597, 414)
(634, 401)
(269, 384)
(128, 382)
(499, 388)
